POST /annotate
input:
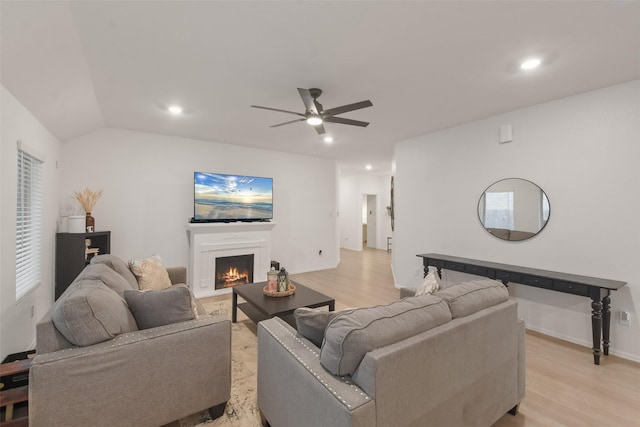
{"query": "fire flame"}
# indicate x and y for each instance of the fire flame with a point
(233, 277)
(233, 274)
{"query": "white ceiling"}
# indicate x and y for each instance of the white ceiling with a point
(82, 65)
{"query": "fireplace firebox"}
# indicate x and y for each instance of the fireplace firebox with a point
(233, 270)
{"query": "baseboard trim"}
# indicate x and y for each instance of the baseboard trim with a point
(582, 343)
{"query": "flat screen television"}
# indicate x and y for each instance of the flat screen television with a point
(225, 198)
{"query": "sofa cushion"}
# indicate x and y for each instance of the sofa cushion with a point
(89, 312)
(350, 336)
(312, 322)
(106, 275)
(118, 265)
(150, 273)
(160, 307)
(468, 297)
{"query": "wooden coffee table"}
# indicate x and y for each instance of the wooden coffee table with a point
(259, 307)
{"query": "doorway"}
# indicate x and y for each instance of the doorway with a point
(369, 221)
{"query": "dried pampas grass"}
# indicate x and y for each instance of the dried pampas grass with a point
(88, 199)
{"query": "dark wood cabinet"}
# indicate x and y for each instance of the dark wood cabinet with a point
(74, 252)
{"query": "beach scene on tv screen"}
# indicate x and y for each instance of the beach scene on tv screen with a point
(223, 197)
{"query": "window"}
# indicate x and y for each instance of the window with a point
(499, 210)
(545, 209)
(28, 222)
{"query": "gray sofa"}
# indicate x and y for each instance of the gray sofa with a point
(455, 358)
(95, 367)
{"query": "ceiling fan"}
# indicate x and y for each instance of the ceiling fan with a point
(316, 115)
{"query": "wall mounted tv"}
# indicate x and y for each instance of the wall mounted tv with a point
(226, 198)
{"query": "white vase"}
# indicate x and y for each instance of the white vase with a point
(76, 224)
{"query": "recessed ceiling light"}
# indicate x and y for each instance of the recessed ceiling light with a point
(175, 109)
(530, 64)
(328, 139)
(314, 120)
(368, 167)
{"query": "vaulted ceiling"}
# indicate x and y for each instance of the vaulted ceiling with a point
(82, 65)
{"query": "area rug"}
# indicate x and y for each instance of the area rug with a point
(242, 408)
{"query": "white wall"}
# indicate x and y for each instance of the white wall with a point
(352, 189)
(147, 181)
(583, 152)
(17, 326)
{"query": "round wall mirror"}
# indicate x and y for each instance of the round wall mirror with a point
(513, 209)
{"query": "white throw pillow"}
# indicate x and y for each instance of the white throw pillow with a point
(429, 284)
(150, 273)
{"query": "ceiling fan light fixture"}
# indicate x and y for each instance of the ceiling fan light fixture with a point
(175, 109)
(314, 120)
(530, 64)
(328, 139)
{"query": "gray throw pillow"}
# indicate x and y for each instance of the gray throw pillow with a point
(469, 297)
(89, 312)
(312, 322)
(160, 307)
(349, 337)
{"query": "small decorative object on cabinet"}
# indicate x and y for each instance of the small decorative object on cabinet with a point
(90, 223)
(74, 251)
(88, 199)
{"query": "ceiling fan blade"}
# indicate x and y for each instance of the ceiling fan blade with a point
(309, 105)
(319, 129)
(347, 108)
(346, 121)
(287, 123)
(277, 109)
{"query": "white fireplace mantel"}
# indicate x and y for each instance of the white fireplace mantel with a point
(211, 240)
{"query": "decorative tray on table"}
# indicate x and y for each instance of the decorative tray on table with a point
(275, 294)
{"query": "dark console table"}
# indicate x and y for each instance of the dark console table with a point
(596, 289)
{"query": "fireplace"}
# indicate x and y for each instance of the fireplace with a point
(233, 270)
(210, 241)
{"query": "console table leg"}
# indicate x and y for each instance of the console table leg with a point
(606, 324)
(234, 308)
(596, 328)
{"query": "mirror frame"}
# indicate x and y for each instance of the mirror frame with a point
(507, 234)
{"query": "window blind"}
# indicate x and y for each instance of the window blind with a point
(28, 223)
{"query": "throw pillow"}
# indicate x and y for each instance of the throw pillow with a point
(312, 322)
(160, 307)
(89, 312)
(469, 297)
(349, 337)
(429, 284)
(150, 273)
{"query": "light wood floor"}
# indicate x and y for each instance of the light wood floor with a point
(564, 387)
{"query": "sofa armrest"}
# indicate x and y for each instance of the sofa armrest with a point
(177, 275)
(295, 390)
(134, 378)
(48, 338)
